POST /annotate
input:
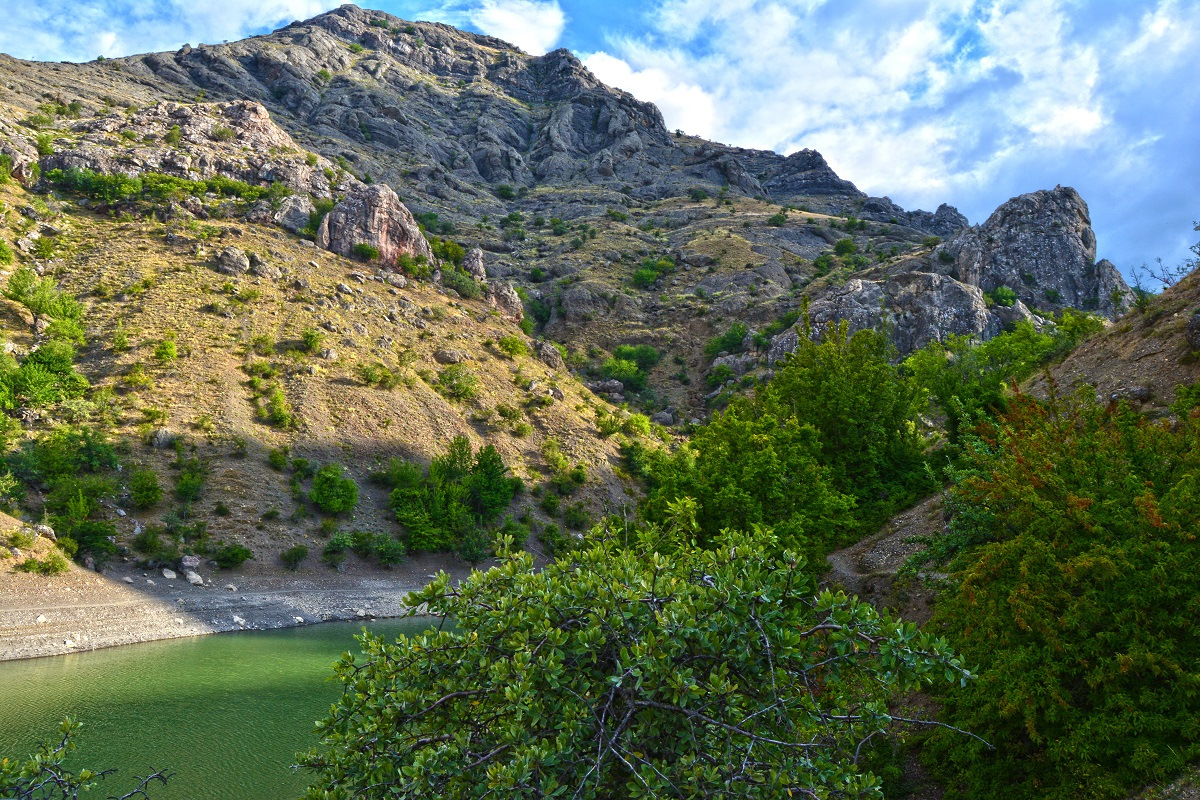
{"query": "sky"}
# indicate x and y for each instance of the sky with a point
(967, 102)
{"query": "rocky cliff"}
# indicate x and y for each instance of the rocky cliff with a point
(577, 201)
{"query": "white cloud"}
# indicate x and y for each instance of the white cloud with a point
(686, 105)
(533, 25)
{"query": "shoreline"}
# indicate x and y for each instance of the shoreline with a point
(83, 611)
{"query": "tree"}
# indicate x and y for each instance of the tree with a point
(333, 492)
(44, 776)
(626, 673)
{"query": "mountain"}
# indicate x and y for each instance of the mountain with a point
(425, 198)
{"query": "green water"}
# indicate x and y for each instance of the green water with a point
(226, 714)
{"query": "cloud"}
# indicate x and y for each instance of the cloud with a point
(685, 104)
(76, 31)
(535, 26)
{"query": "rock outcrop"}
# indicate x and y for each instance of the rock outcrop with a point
(373, 216)
(1041, 246)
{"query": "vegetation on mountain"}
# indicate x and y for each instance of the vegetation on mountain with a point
(642, 667)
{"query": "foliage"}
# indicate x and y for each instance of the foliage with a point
(625, 673)
(1002, 296)
(193, 474)
(844, 247)
(967, 380)
(44, 776)
(460, 281)
(627, 372)
(447, 250)
(650, 270)
(366, 252)
(645, 356)
(333, 492)
(461, 494)
(512, 345)
(231, 556)
(294, 557)
(728, 342)
(1076, 593)
(144, 489)
(52, 563)
(458, 382)
(42, 299)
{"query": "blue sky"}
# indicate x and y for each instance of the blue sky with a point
(960, 101)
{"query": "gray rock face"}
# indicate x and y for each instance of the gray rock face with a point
(373, 215)
(473, 264)
(233, 261)
(1192, 332)
(1041, 246)
(549, 355)
(505, 299)
(294, 212)
(448, 356)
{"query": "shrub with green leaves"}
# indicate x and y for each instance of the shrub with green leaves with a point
(1073, 546)
(332, 491)
(443, 506)
(366, 252)
(460, 281)
(294, 556)
(458, 382)
(728, 342)
(512, 345)
(627, 673)
(231, 556)
(144, 489)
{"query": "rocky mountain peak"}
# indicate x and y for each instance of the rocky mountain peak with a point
(1041, 247)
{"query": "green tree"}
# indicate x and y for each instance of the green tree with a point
(626, 673)
(1075, 591)
(333, 492)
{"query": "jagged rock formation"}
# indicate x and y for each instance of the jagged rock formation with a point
(1041, 246)
(373, 216)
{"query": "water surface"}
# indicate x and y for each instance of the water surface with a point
(226, 713)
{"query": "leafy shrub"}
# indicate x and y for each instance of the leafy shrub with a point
(447, 250)
(844, 247)
(458, 382)
(459, 493)
(505, 192)
(777, 220)
(311, 340)
(366, 252)
(576, 517)
(144, 489)
(222, 133)
(231, 556)
(173, 136)
(1073, 549)
(683, 716)
(697, 194)
(728, 342)
(52, 563)
(1002, 296)
(719, 376)
(293, 557)
(166, 351)
(627, 372)
(651, 270)
(513, 345)
(277, 458)
(460, 281)
(189, 484)
(333, 492)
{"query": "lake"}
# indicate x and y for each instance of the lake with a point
(226, 714)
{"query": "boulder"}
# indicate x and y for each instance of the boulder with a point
(1041, 246)
(45, 530)
(448, 356)
(374, 216)
(295, 212)
(1192, 332)
(169, 574)
(163, 438)
(505, 299)
(549, 354)
(473, 264)
(233, 261)
(189, 562)
(194, 578)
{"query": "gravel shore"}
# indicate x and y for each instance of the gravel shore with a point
(83, 610)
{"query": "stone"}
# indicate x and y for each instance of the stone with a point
(449, 356)
(189, 562)
(233, 261)
(549, 354)
(473, 264)
(374, 216)
(329, 354)
(41, 619)
(663, 418)
(162, 438)
(298, 620)
(127, 579)
(169, 574)
(45, 530)
(505, 299)
(1191, 333)
(239, 620)
(194, 578)
(230, 587)
(294, 213)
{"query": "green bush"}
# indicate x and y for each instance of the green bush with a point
(277, 458)
(311, 340)
(1073, 546)
(366, 252)
(777, 220)
(505, 192)
(231, 556)
(458, 382)
(728, 342)
(460, 281)
(6, 253)
(293, 557)
(332, 492)
(222, 133)
(513, 345)
(173, 136)
(627, 372)
(551, 672)
(190, 482)
(53, 563)
(1002, 296)
(444, 506)
(144, 489)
